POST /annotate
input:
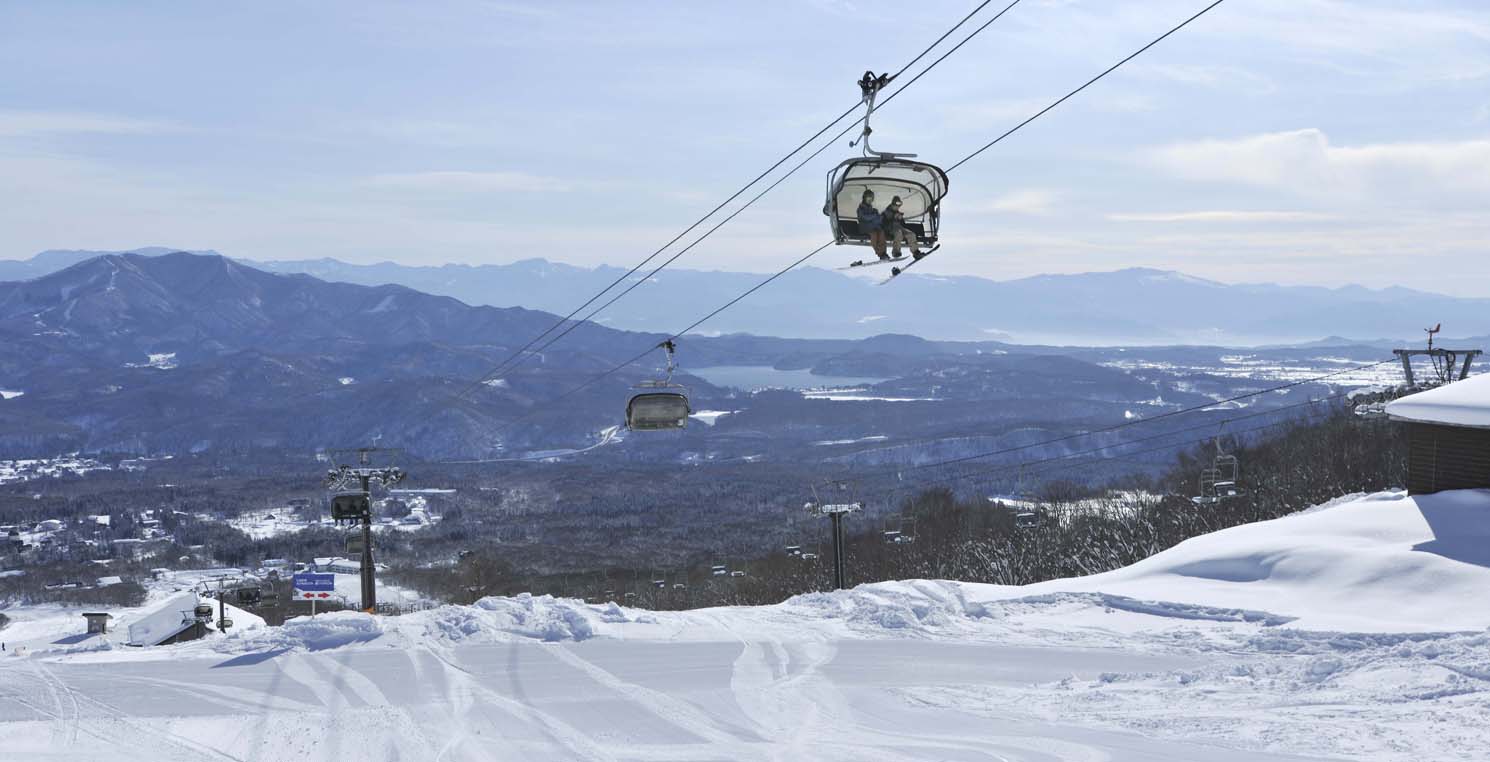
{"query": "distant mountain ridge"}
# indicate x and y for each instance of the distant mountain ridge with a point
(1134, 306)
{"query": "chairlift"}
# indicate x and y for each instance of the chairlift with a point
(899, 531)
(350, 505)
(248, 595)
(1219, 481)
(659, 405)
(919, 185)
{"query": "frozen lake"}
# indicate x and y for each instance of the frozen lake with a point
(753, 377)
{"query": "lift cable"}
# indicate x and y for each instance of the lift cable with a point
(517, 354)
(1127, 424)
(1098, 450)
(819, 249)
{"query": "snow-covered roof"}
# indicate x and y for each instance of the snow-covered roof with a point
(1462, 403)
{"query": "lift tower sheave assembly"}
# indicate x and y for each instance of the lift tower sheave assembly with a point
(353, 502)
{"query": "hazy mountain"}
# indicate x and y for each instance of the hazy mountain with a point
(1134, 306)
(180, 352)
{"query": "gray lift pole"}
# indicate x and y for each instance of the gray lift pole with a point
(836, 512)
(356, 506)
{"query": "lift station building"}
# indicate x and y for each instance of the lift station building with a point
(1448, 434)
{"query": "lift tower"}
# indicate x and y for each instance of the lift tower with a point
(354, 504)
(836, 512)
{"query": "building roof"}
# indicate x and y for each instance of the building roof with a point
(1462, 403)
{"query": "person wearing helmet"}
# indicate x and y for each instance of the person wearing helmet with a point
(893, 222)
(872, 223)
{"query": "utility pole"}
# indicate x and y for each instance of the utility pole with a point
(355, 505)
(836, 512)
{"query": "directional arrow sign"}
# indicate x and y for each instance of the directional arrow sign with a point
(310, 582)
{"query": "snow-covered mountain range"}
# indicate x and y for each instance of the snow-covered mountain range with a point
(1134, 306)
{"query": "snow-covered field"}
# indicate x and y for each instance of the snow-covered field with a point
(1352, 631)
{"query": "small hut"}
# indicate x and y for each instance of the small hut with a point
(1448, 434)
(98, 622)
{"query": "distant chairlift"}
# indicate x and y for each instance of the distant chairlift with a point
(899, 531)
(659, 405)
(1219, 481)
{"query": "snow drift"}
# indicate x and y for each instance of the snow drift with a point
(1380, 563)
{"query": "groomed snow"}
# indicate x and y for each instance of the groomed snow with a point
(1462, 403)
(1356, 630)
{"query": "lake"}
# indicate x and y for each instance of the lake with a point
(753, 377)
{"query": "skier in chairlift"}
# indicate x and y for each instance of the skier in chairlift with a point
(894, 225)
(871, 222)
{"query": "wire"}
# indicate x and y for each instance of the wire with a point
(1025, 464)
(1089, 83)
(964, 160)
(504, 364)
(1134, 422)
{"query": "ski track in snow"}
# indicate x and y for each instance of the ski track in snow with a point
(1171, 659)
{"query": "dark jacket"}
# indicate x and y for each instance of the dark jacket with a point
(869, 218)
(892, 219)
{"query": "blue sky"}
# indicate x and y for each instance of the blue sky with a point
(1295, 141)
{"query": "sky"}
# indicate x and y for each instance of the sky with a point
(1314, 142)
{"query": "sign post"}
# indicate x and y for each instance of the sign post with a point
(311, 586)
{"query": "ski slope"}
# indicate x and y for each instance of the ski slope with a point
(1355, 630)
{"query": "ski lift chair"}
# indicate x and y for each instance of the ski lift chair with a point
(350, 506)
(1208, 479)
(1225, 468)
(659, 405)
(919, 185)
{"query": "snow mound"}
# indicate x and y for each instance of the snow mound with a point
(489, 620)
(1379, 563)
(1163, 608)
(541, 617)
(915, 607)
(318, 633)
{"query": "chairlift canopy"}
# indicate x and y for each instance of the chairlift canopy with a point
(659, 409)
(919, 185)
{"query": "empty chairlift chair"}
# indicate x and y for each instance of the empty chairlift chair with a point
(659, 405)
(1219, 481)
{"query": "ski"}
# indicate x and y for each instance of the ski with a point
(896, 271)
(871, 263)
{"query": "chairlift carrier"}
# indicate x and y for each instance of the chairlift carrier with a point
(920, 186)
(659, 405)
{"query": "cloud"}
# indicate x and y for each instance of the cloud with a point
(470, 182)
(1226, 215)
(41, 123)
(1307, 163)
(1030, 201)
(1210, 76)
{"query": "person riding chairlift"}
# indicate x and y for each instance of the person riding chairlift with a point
(894, 225)
(871, 222)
